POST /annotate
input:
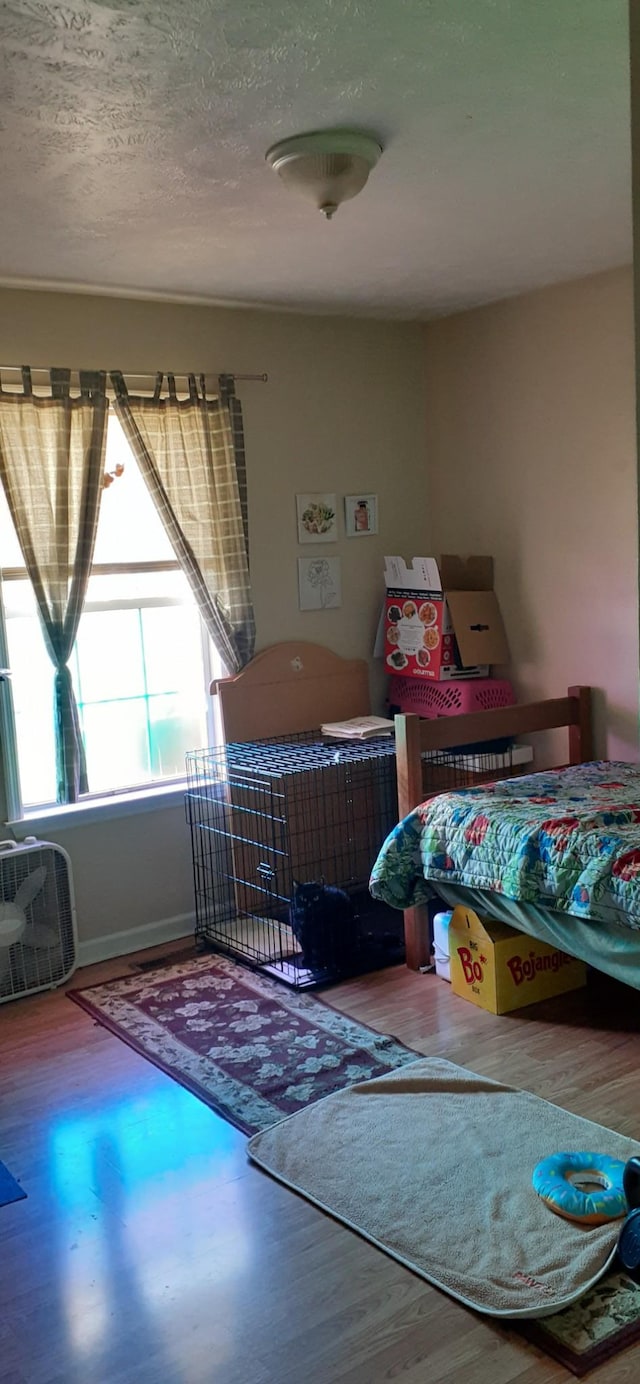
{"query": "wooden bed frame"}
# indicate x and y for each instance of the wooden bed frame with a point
(415, 737)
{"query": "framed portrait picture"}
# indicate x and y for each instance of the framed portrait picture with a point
(319, 584)
(360, 515)
(317, 518)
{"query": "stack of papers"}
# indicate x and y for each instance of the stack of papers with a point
(358, 728)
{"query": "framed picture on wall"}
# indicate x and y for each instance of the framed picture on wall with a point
(360, 515)
(317, 522)
(319, 583)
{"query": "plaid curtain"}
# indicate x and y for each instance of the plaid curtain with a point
(191, 454)
(51, 466)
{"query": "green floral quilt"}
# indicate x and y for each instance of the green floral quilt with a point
(566, 839)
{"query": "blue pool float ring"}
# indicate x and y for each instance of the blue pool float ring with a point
(558, 1181)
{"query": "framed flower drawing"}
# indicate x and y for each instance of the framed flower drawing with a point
(319, 583)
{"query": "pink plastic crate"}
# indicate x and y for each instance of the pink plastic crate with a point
(454, 698)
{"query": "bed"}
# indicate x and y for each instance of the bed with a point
(555, 853)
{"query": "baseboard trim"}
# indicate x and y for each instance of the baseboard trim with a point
(135, 939)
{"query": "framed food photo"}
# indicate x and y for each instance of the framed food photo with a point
(360, 515)
(317, 518)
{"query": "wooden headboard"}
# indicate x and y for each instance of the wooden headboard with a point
(415, 737)
(291, 687)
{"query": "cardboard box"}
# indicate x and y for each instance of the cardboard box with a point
(500, 969)
(442, 620)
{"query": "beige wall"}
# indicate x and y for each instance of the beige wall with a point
(343, 411)
(132, 875)
(531, 450)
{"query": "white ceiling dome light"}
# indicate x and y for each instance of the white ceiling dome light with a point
(328, 166)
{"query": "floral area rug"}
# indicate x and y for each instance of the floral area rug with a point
(604, 1322)
(251, 1049)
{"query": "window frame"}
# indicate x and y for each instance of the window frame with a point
(115, 802)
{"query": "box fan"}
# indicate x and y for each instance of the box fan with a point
(38, 939)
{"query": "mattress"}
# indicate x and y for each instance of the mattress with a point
(612, 947)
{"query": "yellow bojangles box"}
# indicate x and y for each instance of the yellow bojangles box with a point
(501, 969)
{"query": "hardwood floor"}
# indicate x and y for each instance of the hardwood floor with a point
(149, 1251)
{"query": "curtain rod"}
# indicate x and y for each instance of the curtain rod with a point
(142, 374)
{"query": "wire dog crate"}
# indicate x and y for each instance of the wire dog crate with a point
(267, 816)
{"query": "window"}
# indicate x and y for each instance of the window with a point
(142, 662)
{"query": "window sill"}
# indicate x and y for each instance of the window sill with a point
(104, 809)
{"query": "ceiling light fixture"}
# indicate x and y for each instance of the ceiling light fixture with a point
(328, 166)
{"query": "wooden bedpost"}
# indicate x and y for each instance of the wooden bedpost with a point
(416, 937)
(581, 729)
(409, 763)
(410, 793)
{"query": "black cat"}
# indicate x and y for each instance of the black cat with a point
(324, 923)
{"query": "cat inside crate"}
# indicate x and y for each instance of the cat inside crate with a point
(325, 925)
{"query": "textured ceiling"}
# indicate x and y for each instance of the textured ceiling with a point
(133, 137)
